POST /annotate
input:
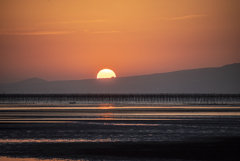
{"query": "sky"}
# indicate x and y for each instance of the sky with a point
(75, 39)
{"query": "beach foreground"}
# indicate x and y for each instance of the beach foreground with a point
(208, 149)
(111, 132)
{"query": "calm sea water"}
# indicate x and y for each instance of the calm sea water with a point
(21, 124)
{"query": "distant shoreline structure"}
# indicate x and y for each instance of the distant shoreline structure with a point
(198, 99)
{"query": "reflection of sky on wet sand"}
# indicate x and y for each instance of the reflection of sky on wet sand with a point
(127, 124)
(21, 114)
(34, 159)
(98, 124)
(14, 107)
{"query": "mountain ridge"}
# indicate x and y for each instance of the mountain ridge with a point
(223, 79)
(31, 80)
(36, 79)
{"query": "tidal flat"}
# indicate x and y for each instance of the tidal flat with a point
(108, 130)
(105, 132)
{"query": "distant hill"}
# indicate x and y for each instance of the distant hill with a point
(224, 79)
(29, 82)
(32, 80)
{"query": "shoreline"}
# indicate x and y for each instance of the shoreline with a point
(115, 105)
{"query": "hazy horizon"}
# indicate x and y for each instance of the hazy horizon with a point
(204, 80)
(112, 78)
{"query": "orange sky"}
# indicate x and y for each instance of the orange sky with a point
(74, 39)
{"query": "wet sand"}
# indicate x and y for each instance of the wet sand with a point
(207, 149)
(49, 144)
(180, 132)
(134, 104)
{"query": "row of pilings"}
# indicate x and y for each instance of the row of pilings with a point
(121, 98)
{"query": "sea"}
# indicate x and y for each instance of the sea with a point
(108, 131)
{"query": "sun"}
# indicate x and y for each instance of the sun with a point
(106, 73)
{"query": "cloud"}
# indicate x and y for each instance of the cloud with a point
(84, 21)
(189, 17)
(77, 21)
(101, 32)
(35, 32)
(183, 17)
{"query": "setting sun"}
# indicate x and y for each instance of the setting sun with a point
(106, 73)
